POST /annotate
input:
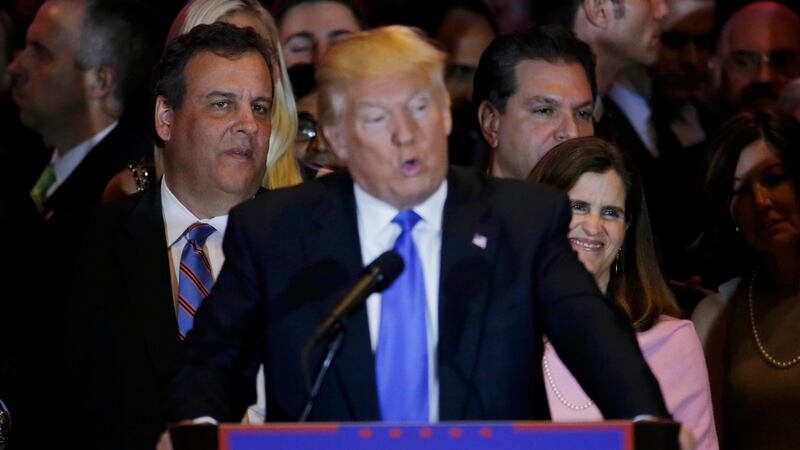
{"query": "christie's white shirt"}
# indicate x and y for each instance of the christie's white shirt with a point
(377, 234)
(177, 218)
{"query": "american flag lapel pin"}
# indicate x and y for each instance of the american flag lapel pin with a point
(479, 240)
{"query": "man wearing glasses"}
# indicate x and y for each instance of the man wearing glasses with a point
(757, 54)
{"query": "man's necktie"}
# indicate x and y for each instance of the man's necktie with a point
(401, 359)
(196, 278)
(39, 191)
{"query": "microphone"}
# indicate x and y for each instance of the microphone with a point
(376, 277)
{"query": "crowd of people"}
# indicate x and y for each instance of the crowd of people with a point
(596, 203)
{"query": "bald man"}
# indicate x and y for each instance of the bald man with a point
(750, 68)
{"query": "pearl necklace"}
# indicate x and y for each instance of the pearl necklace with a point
(767, 357)
(557, 392)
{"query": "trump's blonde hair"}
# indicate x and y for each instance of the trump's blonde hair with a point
(378, 52)
(282, 169)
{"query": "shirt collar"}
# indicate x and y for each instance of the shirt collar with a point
(65, 164)
(177, 218)
(635, 108)
(379, 214)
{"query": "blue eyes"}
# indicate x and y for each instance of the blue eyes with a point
(579, 206)
(608, 212)
(613, 213)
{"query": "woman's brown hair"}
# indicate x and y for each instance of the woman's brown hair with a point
(638, 287)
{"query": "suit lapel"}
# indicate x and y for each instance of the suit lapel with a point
(354, 364)
(468, 247)
(149, 285)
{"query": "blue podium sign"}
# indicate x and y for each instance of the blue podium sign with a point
(609, 435)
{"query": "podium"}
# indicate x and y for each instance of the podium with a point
(608, 435)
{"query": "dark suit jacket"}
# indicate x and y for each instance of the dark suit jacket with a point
(40, 320)
(291, 253)
(121, 331)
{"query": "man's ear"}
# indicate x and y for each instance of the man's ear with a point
(164, 116)
(598, 12)
(334, 134)
(489, 120)
(100, 81)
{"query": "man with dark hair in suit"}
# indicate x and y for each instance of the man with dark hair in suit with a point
(148, 259)
(458, 336)
(533, 90)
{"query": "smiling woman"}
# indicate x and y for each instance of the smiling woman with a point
(610, 232)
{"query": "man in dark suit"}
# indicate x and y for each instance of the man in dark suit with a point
(494, 272)
(213, 112)
(533, 90)
(82, 63)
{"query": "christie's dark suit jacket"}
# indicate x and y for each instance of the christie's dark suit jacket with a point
(121, 331)
(291, 253)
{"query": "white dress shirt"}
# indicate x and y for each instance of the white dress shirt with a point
(638, 112)
(64, 165)
(377, 234)
(687, 127)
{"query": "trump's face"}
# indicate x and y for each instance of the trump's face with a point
(392, 134)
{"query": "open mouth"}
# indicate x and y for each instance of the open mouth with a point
(410, 166)
(241, 154)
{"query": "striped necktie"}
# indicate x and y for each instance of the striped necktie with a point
(196, 278)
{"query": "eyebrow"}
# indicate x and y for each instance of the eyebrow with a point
(553, 101)
(769, 167)
(414, 93)
(338, 33)
(232, 96)
(228, 95)
(542, 99)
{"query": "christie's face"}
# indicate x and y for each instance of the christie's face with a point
(764, 203)
(552, 103)
(217, 139)
(308, 29)
(597, 229)
(392, 135)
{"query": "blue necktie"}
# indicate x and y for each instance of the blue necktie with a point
(401, 360)
(195, 277)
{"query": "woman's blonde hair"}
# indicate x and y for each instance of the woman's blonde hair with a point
(282, 169)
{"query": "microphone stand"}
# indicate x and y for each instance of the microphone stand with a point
(333, 348)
